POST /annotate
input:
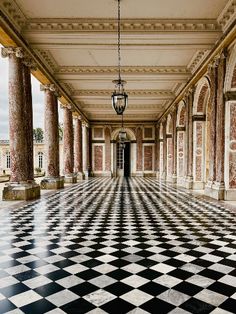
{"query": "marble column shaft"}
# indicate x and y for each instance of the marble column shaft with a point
(220, 121)
(174, 143)
(139, 157)
(107, 149)
(164, 151)
(51, 134)
(17, 121)
(211, 116)
(157, 151)
(84, 148)
(28, 112)
(189, 133)
(68, 142)
(78, 146)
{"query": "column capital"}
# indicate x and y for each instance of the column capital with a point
(85, 124)
(50, 87)
(17, 51)
(67, 106)
(76, 116)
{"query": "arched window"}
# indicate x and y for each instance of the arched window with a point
(8, 160)
(40, 160)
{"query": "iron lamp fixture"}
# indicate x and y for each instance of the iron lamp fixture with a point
(119, 96)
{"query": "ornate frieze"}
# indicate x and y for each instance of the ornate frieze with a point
(127, 25)
(17, 51)
(228, 15)
(126, 70)
(197, 60)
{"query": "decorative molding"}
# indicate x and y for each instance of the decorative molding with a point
(197, 60)
(46, 56)
(139, 92)
(18, 52)
(228, 15)
(68, 87)
(127, 25)
(125, 70)
(14, 13)
(107, 106)
(127, 116)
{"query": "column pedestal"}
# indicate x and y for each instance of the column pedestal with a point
(70, 178)
(80, 176)
(52, 183)
(216, 191)
(188, 183)
(20, 191)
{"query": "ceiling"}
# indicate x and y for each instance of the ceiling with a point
(163, 43)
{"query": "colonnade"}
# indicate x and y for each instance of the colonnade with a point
(196, 146)
(75, 138)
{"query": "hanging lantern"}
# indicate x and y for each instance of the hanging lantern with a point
(119, 97)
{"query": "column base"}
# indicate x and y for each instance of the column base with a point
(158, 175)
(230, 195)
(70, 178)
(215, 190)
(52, 183)
(139, 174)
(198, 185)
(80, 176)
(21, 191)
(86, 175)
(163, 176)
(188, 183)
(103, 174)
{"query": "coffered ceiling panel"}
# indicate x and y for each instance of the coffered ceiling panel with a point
(163, 44)
(170, 9)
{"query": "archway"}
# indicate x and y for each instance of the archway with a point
(230, 131)
(169, 145)
(201, 134)
(124, 159)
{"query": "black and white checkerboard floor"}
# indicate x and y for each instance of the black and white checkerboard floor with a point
(118, 246)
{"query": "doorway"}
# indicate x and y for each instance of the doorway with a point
(123, 160)
(127, 159)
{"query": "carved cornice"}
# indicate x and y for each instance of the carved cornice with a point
(126, 70)
(114, 116)
(107, 106)
(139, 92)
(197, 59)
(14, 13)
(46, 56)
(228, 15)
(127, 25)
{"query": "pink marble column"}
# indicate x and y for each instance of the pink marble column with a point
(18, 142)
(163, 176)
(78, 148)
(174, 146)
(68, 146)
(219, 183)
(157, 150)
(28, 112)
(21, 186)
(139, 156)
(189, 140)
(108, 151)
(211, 118)
(51, 139)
